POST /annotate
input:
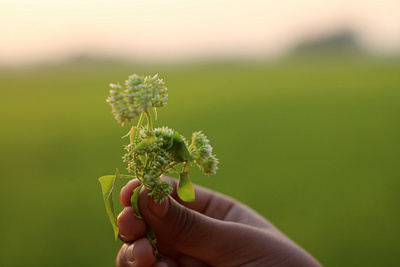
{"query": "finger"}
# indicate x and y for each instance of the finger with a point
(130, 226)
(221, 207)
(207, 201)
(189, 261)
(137, 254)
(180, 230)
(127, 192)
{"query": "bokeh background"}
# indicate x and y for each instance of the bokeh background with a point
(300, 100)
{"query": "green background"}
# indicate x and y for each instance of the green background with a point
(312, 145)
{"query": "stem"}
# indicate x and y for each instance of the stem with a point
(153, 240)
(149, 232)
(133, 131)
(191, 147)
(149, 120)
(141, 118)
(185, 167)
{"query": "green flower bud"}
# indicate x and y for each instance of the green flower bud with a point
(202, 153)
(160, 190)
(209, 166)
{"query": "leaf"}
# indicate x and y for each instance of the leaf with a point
(146, 142)
(169, 144)
(185, 187)
(179, 148)
(134, 200)
(107, 185)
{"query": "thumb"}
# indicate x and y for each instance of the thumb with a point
(180, 230)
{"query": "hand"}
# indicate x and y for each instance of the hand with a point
(214, 230)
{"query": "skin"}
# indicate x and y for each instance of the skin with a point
(214, 230)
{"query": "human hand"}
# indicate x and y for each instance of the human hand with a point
(214, 230)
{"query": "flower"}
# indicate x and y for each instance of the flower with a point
(201, 151)
(150, 161)
(139, 94)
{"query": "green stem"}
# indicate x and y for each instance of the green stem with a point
(141, 118)
(127, 176)
(134, 130)
(149, 232)
(185, 167)
(153, 240)
(149, 120)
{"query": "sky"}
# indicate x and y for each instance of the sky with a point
(162, 30)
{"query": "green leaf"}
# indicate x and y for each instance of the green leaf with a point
(146, 142)
(107, 185)
(179, 148)
(169, 144)
(185, 187)
(134, 200)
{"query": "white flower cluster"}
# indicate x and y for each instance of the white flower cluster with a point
(140, 93)
(201, 151)
(152, 153)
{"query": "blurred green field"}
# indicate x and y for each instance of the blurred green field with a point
(311, 145)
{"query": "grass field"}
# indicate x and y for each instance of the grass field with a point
(313, 146)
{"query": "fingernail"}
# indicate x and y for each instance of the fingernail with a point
(159, 209)
(129, 253)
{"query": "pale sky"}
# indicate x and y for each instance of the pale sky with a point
(159, 30)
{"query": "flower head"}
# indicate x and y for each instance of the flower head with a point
(202, 153)
(139, 94)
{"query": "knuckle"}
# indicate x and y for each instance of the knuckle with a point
(184, 227)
